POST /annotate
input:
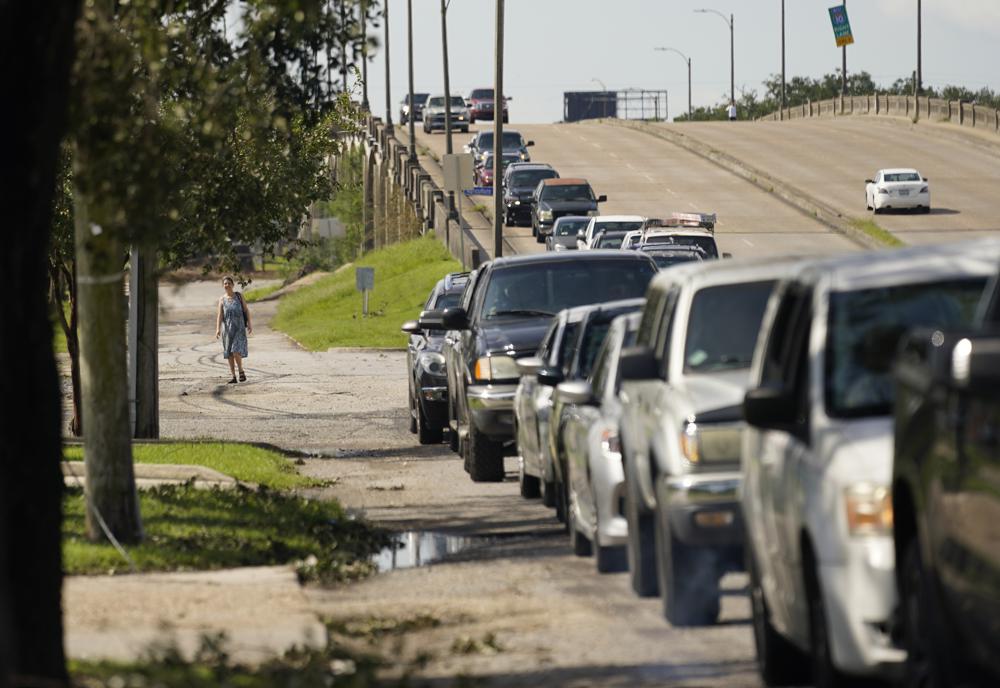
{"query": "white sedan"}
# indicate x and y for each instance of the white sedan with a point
(897, 188)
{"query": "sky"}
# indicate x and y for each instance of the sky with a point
(554, 46)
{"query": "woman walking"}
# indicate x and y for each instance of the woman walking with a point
(232, 323)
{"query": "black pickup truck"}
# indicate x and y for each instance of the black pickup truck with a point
(946, 501)
(505, 312)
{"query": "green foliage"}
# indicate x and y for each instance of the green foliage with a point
(328, 313)
(883, 236)
(188, 528)
(260, 293)
(244, 462)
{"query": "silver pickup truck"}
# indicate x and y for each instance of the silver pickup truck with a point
(683, 384)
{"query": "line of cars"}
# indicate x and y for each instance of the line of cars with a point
(430, 109)
(742, 415)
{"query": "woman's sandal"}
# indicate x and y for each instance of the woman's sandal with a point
(232, 382)
(243, 376)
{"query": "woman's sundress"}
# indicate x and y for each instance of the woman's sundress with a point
(234, 329)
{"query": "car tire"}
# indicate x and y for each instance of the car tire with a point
(530, 485)
(484, 457)
(560, 491)
(534, 229)
(687, 578)
(868, 205)
(610, 559)
(452, 434)
(413, 415)
(549, 494)
(641, 549)
(465, 130)
(928, 645)
(926, 211)
(824, 673)
(425, 433)
(580, 543)
(780, 663)
(540, 238)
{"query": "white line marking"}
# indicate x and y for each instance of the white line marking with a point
(748, 242)
(596, 145)
(630, 166)
(671, 191)
(648, 177)
(614, 155)
(693, 206)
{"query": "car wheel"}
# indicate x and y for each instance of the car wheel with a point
(608, 559)
(540, 238)
(465, 130)
(875, 209)
(927, 647)
(534, 229)
(452, 434)
(413, 415)
(868, 205)
(578, 541)
(926, 211)
(641, 547)
(687, 578)
(531, 486)
(780, 663)
(484, 457)
(824, 673)
(425, 433)
(549, 494)
(560, 491)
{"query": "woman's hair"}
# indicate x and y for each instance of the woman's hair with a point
(229, 278)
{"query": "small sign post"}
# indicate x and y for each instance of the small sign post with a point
(457, 178)
(364, 281)
(841, 26)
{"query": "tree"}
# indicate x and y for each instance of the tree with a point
(36, 53)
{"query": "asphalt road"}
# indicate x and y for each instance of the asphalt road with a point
(644, 175)
(830, 159)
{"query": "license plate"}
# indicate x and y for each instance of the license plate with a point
(904, 192)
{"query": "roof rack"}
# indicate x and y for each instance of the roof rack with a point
(702, 220)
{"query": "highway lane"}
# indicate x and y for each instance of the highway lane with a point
(644, 175)
(830, 159)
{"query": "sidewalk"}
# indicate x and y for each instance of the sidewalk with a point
(149, 475)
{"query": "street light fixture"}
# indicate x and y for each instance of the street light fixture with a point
(688, 60)
(732, 54)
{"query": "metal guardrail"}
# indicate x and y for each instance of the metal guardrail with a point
(911, 107)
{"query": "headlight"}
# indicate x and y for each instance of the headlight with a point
(432, 363)
(689, 443)
(611, 444)
(500, 367)
(524, 155)
(869, 509)
(545, 214)
(461, 117)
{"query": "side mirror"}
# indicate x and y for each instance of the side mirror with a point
(411, 327)
(638, 363)
(550, 377)
(926, 179)
(455, 319)
(577, 392)
(532, 143)
(431, 321)
(768, 408)
(602, 198)
(727, 255)
(872, 181)
(530, 365)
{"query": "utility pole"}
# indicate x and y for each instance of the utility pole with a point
(843, 70)
(343, 45)
(732, 50)
(364, 56)
(388, 90)
(688, 61)
(920, 50)
(447, 80)
(498, 103)
(783, 103)
(409, 45)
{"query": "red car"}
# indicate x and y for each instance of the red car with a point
(481, 105)
(483, 174)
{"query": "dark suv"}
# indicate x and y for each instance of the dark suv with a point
(418, 107)
(505, 312)
(428, 382)
(481, 145)
(519, 182)
(554, 198)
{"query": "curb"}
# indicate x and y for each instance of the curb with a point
(791, 196)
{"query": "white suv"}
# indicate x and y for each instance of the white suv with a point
(817, 453)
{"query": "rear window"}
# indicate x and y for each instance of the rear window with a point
(705, 243)
(570, 227)
(664, 259)
(448, 300)
(539, 289)
(617, 226)
(610, 242)
(864, 330)
(723, 325)
(568, 192)
(902, 177)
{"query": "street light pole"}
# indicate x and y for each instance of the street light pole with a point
(498, 103)
(388, 90)
(409, 45)
(364, 56)
(447, 81)
(688, 60)
(732, 50)
(843, 70)
(920, 50)
(782, 110)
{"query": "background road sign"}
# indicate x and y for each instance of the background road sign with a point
(841, 26)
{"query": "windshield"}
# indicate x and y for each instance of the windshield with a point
(664, 259)
(613, 226)
(723, 325)
(530, 178)
(511, 139)
(610, 241)
(418, 98)
(705, 243)
(448, 301)
(863, 334)
(593, 339)
(902, 177)
(456, 101)
(547, 288)
(482, 93)
(569, 227)
(568, 192)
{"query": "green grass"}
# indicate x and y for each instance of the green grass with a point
(328, 313)
(241, 461)
(883, 236)
(252, 295)
(187, 528)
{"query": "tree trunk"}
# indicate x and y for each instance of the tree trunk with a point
(36, 52)
(107, 446)
(143, 340)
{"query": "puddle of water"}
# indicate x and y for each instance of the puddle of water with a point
(421, 548)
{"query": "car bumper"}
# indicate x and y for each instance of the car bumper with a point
(434, 402)
(492, 410)
(608, 482)
(903, 202)
(703, 509)
(518, 208)
(437, 122)
(860, 597)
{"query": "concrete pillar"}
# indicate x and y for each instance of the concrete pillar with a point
(368, 202)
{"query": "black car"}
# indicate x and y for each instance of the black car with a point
(946, 502)
(428, 381)
(504, 314)
(481, 145)
(519, 182)
(554, 198)
(418, 107)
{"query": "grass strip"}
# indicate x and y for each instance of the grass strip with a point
(883, 236)
(254, 295)
(328, 313)
(187, 528)
(244, 462)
